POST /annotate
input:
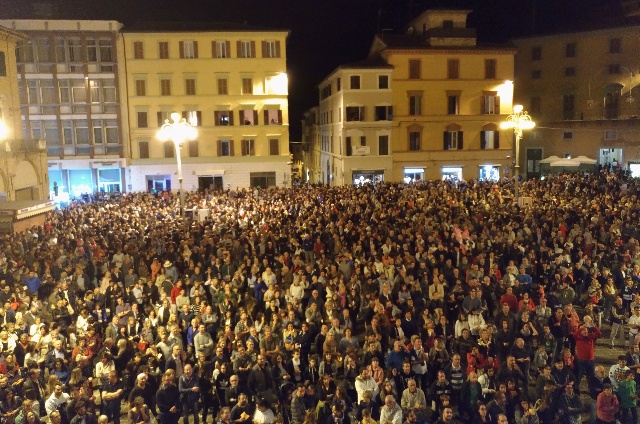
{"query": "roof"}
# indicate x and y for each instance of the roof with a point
(369, 63)
(414, 42)
(581, 26)
(195, 27)
(21, 209)
(11, 32)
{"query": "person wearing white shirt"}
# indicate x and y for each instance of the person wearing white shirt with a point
(390, 413)
(56, 400)
(366, 382)
(263, 414)
(634, 325)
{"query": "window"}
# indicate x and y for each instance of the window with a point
(193, 117)
(163, 49)
(615, 45)
(536, 74)
(190, 87)
(105, 131)
(569, 71)
(223, 86)
(567, 135)
(64, 89)
(614, 69)
(138, 50)
(248, 148)
(354, 113)
(568, 106)
(447, 23)
(143, 149)
(99, 50)
(490, 103)
(262, 179)
(453, 69)
(81, 131)
(383, 145)
(141, 87)
(354, 82)
(225, 147)
(453, 104)
(223, 118)
(246, 49)
(383, 82)
(414, 140)
(570, 50)
(490, 138)
(163, 117)
(249, 117)
(490, 66)
(384, 113)
(415, 105)
(325, 92)
(348, 147)
(3, 65)
(536, 53)
(79, 91)
(338, 84)
(188, 49)
(453, 140)
(414, 69)
(221, 49)
(271, 49)
(165, 87)
(47, 91)
(535, 104)
(193, 149)
(272, 117)
(143, 119)
(610, 135)
(274, 147)
(247, 86)
(169, 149)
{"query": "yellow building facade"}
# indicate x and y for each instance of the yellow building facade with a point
(450, 94)
(23, 162)
(355, 113)
(230, 83)
(582, 90)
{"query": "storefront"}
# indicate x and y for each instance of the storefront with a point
(367, 176)
(452, 173)
(489, 173)
(412, 175)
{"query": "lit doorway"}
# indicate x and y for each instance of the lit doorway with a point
(610, 157)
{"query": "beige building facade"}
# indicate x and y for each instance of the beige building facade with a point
(582, 90)
(230, 83)
(23, 160)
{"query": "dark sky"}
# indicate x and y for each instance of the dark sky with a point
(327, 33)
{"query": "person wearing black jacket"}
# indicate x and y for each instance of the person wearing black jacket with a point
(168, 401)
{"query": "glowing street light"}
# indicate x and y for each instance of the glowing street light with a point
(519, 120)
(179, 131)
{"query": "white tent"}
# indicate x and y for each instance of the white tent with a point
(585, 160)
(567, 163)
(550, 159)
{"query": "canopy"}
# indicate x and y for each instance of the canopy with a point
(565, 163)
(585, 160)
(550, 159)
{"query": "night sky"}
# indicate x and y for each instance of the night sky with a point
(327, 33)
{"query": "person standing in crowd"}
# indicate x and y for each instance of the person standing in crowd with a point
(189, 388)
(168, 400)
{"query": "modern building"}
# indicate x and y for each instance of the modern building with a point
(227, 80)
(23, 160)
(581, 88)
(69, 93)
(450, 94)
(355, 115)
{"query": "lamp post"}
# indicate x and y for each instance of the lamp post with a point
(519, 120)
(178, 132)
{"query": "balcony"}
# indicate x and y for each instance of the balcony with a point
(26, 146)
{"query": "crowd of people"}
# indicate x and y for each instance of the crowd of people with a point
(430, 302)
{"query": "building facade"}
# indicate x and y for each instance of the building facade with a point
(230, 83)
(23, 168)
(69, 93)
(355, 114)
(311, 152)
(582, 90)
(450, 94)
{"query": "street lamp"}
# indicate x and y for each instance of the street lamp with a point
(178, 132)
(519, 120)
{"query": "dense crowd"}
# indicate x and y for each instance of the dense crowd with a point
(431, 302)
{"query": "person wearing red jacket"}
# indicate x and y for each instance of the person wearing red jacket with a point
(585, 336)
